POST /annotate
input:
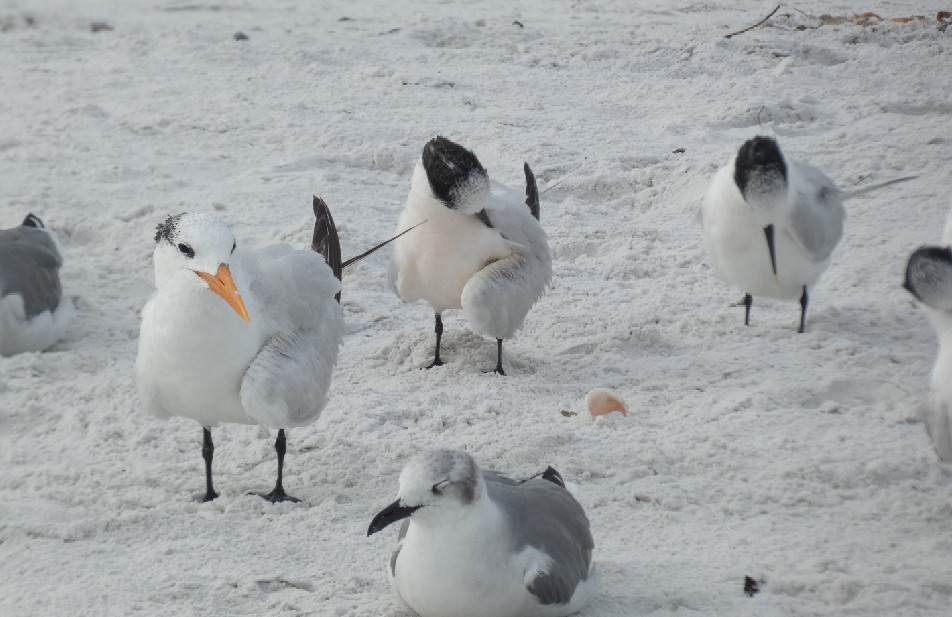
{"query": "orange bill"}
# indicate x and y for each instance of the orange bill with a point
(223, 285)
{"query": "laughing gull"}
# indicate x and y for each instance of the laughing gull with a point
(242, 336)
(478, 544)
(771, 224)
(929, 279)
(482, 249)
(33, 311)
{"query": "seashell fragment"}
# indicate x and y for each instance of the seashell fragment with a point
(601, 402)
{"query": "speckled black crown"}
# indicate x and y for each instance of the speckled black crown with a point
(929, 269)
(760, 158)
(449, 166)
(33, 220)
(167, 229)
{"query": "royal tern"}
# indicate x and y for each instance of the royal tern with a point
(482, 249)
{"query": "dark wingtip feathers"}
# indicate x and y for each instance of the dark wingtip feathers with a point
(532, 191)
(325, 240)
(553, 476)
(33, 220)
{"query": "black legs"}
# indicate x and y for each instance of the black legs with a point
(438, 328)
(280, 446)
(208, 451)
(278, 494)
(803, 309)
(804, 300)
(439, 335)
(498, 368)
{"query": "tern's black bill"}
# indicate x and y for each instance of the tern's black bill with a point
(769, 234)
(390, 515)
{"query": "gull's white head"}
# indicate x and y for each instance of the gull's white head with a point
(435, 486)
(193, 251)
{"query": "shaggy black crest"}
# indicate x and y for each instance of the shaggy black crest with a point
(758, 157)
(32, 220)
(448, 165)
(929, 268)
(167, 229)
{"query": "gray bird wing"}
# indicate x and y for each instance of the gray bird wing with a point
(29, 266)
(287, 382)
(396, 551)
(545, 516)
(497, 299)
(816, 222)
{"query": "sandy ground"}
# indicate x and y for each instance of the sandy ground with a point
(795, 459)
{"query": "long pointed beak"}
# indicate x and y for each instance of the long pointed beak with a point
(769, 233)
(390, 515)
(223, 285)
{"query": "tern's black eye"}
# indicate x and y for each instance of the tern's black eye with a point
(437, 489)
(234, 246)
(186, 250)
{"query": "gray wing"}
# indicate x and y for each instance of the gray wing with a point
(287, 383)
(816, 223)
(545, 516)
(29, 266)
(497, 299)
(396, 551)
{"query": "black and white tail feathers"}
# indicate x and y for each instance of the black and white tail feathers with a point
(326, 241)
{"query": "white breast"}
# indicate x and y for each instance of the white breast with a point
(19, 334)
(735, 242)
(193, 366)
(461, 570)
(435, 261)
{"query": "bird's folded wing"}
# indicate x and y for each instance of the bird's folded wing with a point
(545, 517)
(287, 382)
(37, 245)
(816, 222)
(288, 283)
(498, 297)
(396, 552)
(32, 271)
